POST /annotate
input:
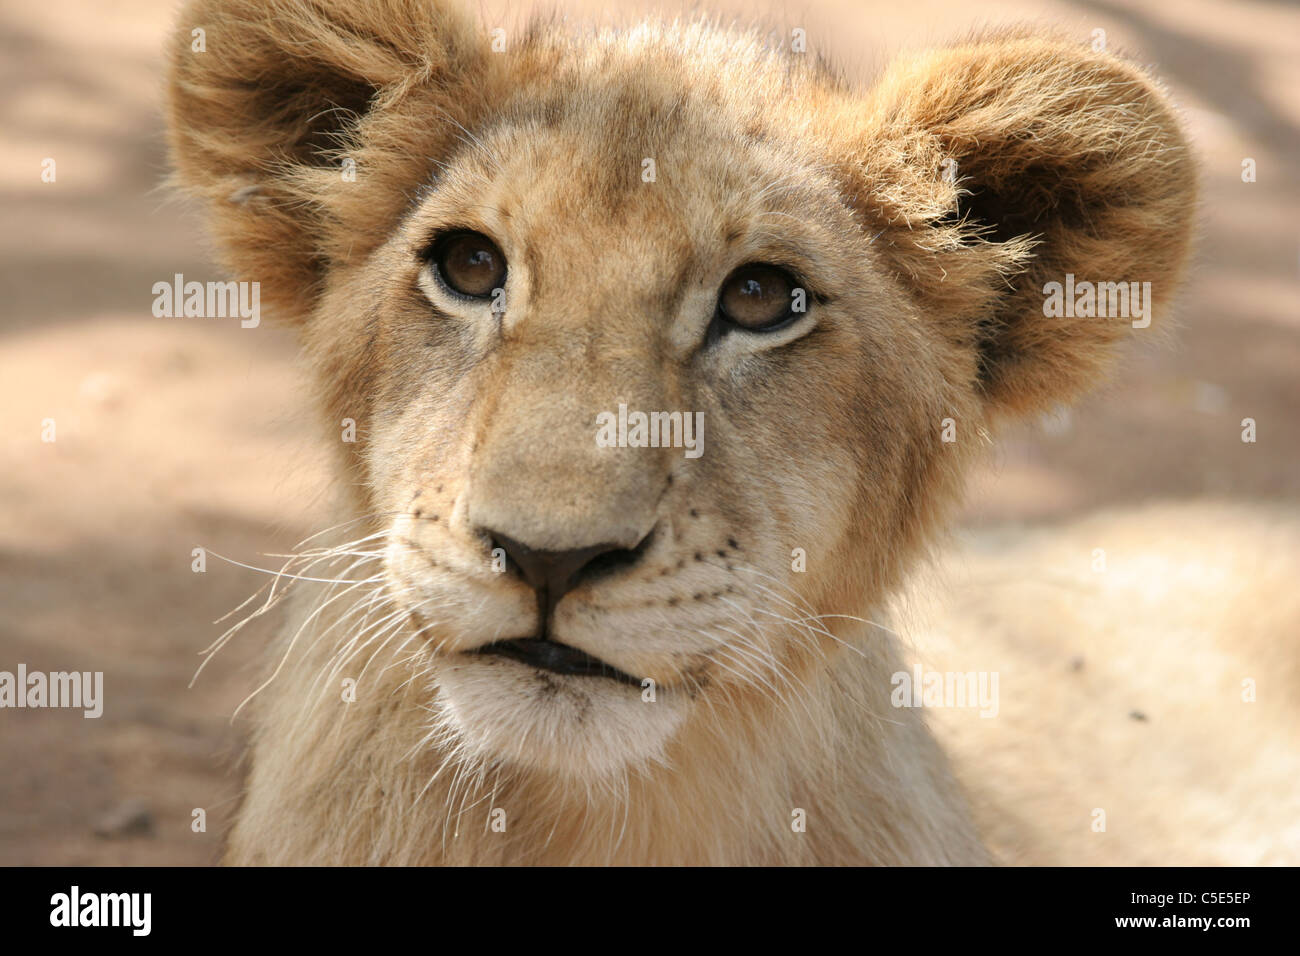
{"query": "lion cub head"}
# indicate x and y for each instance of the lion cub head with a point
(665, 349)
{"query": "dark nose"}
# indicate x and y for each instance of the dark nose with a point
(552, 574)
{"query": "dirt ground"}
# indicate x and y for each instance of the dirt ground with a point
(179, 433)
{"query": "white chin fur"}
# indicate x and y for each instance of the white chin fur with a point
(581, 727)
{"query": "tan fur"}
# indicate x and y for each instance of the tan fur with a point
(926, 304)
(1158, 687)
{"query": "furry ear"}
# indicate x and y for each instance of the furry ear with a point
(286, 117)
(986, 171)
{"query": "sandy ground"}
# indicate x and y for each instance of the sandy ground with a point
(176, 433)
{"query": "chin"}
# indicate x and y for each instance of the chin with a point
(580, 727)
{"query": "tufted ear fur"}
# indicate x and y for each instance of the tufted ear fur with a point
(284, 94)
(986, 171)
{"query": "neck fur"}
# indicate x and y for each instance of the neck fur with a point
(831, 775)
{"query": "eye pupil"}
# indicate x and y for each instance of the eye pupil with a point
(757, 297)
(469, 263)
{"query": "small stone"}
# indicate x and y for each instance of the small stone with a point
(131, 818)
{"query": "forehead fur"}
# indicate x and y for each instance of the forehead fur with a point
(565, 130)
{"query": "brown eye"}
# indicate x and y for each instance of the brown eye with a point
(470, 264)
(758, 298)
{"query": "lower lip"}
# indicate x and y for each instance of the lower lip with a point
(556, 658)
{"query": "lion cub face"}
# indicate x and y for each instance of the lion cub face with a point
(543, 285)
(651, 344)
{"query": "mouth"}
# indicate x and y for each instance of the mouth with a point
(548, 655)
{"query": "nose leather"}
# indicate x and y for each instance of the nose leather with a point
(550, 573)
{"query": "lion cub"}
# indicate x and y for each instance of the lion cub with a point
(522, 273)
